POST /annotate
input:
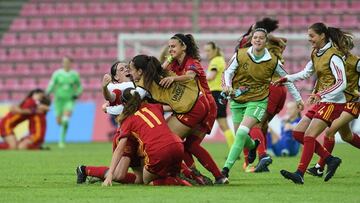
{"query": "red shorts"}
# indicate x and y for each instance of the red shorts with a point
(352, 108)
(325, 111)
(277, 98)
(130, 150)
(8, 123)
(202, 116)
(165, 161)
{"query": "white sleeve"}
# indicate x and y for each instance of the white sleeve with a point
(338, 71)
(230, 70)
(142, 92)
(115, 110)
(302, 75)
(290, 86)
(358, 71)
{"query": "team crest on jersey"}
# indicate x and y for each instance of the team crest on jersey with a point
(192, 67)
(245, 66)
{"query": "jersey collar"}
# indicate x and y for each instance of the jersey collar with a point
(266, 56)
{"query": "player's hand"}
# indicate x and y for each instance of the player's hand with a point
(314, 99)
(280, 81)
(228, 90)
(300, 105)
(107, 181)
(106, 80)
(103, 107)
(166, 82)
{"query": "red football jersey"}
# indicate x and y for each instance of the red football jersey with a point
(37, 127)
(193, 65)
(149, 127)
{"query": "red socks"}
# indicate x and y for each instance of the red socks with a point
(319, 149)
(96, 171)
(256, 133)
(192, 145)
(329, 144)
(355, 140)
(308, 151)
(170, 181)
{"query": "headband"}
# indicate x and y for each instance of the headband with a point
(261, 29)
(182, 38)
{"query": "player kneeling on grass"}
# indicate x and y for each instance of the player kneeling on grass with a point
(32, 108)
(163, 149)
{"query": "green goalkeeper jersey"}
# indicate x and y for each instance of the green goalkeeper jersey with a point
(65, 84)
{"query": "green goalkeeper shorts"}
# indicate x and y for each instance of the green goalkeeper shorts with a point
(254, 109)
(62, 106)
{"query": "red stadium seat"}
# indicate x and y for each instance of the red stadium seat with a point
(315, 19)
(26, 39)
(226, 7)
(117, 23)
(101, 23)
(151, 23)
(232, 22)
(166, 22)
(42, 38)
(350, 21)
(33, 53)
(58, 38)
(22, 69)
(91, 38)
(53, 24)
(62, 8)
(183, 22)
(108, 37)
(74, 38)
(98, 53)
(15, 54)
(19, 24)
(208, 7)
(78, 8)
(29, 9)
(85, 23)
(47, 8)
(9, 39)
(111, 53)
(332, 20)
(49, 53)
(65, 51)
(68, 24)
(36, 24)
(6, 68)
(39, 68)
(127, 8)
(143, 7)
(28, 83)
(43, 82)
(160, 7)
(134, 23)
(94, 8)
(111, 7)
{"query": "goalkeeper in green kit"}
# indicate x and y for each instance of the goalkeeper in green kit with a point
(66, 86)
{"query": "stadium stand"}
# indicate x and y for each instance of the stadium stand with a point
(41, 32)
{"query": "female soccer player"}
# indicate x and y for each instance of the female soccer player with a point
(184, 60)
(28, 107)
(350, 112)
(277, 93)
(163, 149)
(189, 106)
(66, 86)
(37, 127)
(113, 86)
(326, 61)
(214, 78)
(250, 72)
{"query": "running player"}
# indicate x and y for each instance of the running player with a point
(250, 72)
(350, 112)
(326, 61)
(66, 86)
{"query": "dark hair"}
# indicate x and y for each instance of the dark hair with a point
(268, 24)
(214, 47)
(151, 68)
(131, 100)
(46, 100)
(342, 40)
(191, 47)
(113, 70)
(31, 93)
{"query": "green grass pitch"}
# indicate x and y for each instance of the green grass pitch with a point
(49, 176)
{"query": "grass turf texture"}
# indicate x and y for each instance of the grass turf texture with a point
(49, 176)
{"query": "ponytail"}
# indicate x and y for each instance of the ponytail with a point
(151, 68)
(215, 47)
(131, 100)
(342, 40)
(191, 47)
